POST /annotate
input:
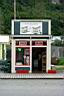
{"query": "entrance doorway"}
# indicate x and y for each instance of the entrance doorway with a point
(38, 59)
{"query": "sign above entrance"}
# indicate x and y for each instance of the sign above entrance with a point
(39, 43)
(22, 43)
(30, 27)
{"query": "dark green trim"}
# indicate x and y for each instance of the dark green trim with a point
(45, 28)
(16, 28)
(31, 37)
(22, 68)
(40, 37)
(21, 37)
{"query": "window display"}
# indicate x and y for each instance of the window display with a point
(22, 56)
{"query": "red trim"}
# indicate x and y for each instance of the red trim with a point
(22, 71)
(51, 71)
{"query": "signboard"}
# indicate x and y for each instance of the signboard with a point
(38, 43)
(22, 43)
(30, 27)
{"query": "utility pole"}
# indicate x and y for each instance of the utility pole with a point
(14, 9)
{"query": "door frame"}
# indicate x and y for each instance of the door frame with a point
(46, 54)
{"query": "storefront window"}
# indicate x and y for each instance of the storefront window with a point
(22, 56)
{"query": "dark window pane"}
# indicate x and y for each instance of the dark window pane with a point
(33, 42)
(17, 42)
(44, 42)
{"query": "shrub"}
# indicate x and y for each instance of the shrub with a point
(61, 61)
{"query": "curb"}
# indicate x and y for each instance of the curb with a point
(31, 76)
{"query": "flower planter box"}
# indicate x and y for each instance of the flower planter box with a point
(22, 71)
(51, 71)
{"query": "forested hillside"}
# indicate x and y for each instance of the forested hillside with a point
(32, 9)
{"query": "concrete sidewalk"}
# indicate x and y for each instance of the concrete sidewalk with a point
(31, 76)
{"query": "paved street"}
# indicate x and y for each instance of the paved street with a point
(40, 87)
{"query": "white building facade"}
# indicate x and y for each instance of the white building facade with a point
(31, 46)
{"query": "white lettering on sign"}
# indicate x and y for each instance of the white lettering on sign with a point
(30, 27)
(23, 43)
(39, 43)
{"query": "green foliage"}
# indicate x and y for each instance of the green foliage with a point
(35, 9)
(6, 11)
(1, 22)
(61, 61)
(5, 66)
(58, 42)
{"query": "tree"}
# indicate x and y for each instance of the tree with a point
(32, 9)
(1, 22)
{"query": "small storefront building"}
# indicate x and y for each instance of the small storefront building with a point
(31, 46)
